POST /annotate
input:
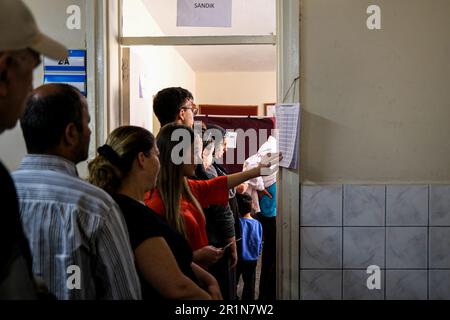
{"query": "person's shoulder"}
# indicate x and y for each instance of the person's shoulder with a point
(6, 179)
(136, 212)
(221, 170)
(91, 197)
(96, 200)
(255, 222)
(92, 190)
(128, 204)
(247, 220)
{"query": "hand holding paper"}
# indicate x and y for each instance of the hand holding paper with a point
(269, 163)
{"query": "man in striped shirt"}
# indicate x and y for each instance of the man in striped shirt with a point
(77, 236)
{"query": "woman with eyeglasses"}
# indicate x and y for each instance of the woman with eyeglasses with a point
(127, 167)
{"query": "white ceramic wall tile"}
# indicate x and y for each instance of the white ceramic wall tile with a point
(364, 205)
(363, 247)
(439, 247)
(406, 247)
(405, 210)
(320, 285)
(439, 205)
(439, 285)
(320, 247)
(407, 205)
(321, 206)
(355, 286)
(406, 284)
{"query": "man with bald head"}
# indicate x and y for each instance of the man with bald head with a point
(78, 239)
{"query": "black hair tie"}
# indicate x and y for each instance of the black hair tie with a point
(110, 155)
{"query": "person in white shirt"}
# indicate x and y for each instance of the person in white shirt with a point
(263, 192)
(256, 188)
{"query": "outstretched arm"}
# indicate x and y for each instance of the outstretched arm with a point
(268, 165)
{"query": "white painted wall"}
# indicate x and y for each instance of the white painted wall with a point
(137, 20)
(237, 88)
(376, 103)
(161, 67)
(158, 67)
(51, 18)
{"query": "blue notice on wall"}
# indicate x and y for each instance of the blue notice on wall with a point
(71, 70)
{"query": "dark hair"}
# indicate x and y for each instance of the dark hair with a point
(244, 203)
(216, 134)
(217, 127)
(116, 157)
(207, 138)
(167, 103)
(46, 117)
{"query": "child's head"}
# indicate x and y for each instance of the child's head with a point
(244, 203)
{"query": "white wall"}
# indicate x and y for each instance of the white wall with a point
(376, 103)
(237, 88)
(158, 67)
(161, 67)
(51, 18)
(137, 20)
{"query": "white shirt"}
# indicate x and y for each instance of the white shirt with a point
(260, 183)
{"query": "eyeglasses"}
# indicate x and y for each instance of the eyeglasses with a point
(194, 109)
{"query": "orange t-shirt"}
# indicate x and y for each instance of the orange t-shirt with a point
(207, 192)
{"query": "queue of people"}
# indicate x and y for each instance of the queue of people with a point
(143, 226)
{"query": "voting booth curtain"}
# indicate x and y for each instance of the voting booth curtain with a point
(243, 123)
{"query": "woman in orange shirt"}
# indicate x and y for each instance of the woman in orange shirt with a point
(180, 200)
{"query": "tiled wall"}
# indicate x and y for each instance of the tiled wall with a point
(405, 230)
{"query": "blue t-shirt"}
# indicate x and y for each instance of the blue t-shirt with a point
(251, 242)
(269, 206)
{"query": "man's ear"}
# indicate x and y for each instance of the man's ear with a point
(181, 115)
(71, 135)
(5, 62)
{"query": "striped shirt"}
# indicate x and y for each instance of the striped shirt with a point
(69, 222)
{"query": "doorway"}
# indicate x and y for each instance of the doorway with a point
(155, 56)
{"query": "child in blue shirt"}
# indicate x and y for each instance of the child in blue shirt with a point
(251, 245)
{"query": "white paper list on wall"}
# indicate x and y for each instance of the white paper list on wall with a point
(211, 13)
(288, 129)
(71, 70)
(232, 139)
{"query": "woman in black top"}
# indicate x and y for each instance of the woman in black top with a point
(127, 167)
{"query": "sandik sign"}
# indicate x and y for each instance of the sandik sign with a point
(195, 13)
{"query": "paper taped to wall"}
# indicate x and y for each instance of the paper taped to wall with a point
(288, 129)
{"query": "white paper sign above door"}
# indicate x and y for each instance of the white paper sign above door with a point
(212, 13)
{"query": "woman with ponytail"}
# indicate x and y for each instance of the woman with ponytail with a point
(127, 167)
